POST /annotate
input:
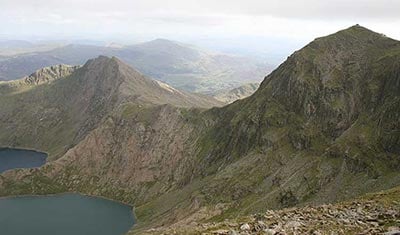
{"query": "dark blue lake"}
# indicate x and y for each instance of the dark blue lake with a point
(64, 214)
(20, 158)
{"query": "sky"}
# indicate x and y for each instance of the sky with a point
(271, 26)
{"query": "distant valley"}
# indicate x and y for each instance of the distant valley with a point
(179, 65)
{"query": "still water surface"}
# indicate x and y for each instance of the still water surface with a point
(64, 214)
(20, 158)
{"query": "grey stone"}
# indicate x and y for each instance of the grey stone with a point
(245, 227)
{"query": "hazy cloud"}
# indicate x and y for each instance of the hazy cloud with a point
(308, 9)
(299, 20)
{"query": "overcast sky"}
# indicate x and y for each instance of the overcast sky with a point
(285, 21)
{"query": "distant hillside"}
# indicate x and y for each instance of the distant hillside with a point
(238, 93)
(14, 47)
(182, 66)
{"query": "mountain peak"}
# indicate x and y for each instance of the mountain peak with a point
(161, 43)
(162, 40)
(358, 27)
(102, 62)
(358, 30)
(110, 74)
(354, 34)
(346, 44)
(102, 59)
(347, 62)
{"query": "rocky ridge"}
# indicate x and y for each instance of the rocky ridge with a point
(49, 74)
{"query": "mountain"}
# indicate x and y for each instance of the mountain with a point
(57, 106)
(323, 127)
(180, 65)
(238, 93)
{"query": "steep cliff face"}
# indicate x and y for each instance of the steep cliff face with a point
(322, 127)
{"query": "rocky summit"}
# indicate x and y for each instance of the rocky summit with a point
(322, 128)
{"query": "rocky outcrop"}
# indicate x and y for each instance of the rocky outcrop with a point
(49, 74)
